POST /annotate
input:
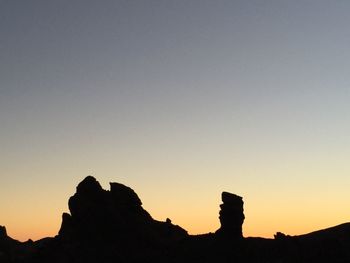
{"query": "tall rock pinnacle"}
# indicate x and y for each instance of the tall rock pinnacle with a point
(231, 216)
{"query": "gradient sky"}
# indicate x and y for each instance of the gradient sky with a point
(179, 100)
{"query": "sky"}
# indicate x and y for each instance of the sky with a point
(180, 100)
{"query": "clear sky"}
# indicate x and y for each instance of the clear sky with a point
(179, 100)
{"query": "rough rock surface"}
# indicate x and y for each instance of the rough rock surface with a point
(231, 215)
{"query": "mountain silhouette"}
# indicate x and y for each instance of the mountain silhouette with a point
(112, 226)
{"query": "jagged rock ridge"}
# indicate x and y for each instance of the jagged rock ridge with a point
(112, 226)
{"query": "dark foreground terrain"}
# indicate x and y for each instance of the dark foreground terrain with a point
(112, 226)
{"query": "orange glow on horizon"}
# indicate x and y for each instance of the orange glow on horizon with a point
(255, 224)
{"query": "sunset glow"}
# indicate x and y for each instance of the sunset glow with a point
(179, 100)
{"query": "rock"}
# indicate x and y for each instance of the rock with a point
(231, 216)
(66, 225)
(3, 233)
(114, 216)
(124, 195)
(280, 236)
(112, 226)
(89, 186)
(86, 199)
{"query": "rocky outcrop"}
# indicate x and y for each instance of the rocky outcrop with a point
(103, 215)
(115, 217)
(12, 250)
(3, 232)
(231, 216)
(4, 246)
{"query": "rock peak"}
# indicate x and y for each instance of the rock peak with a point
(89, 185)
(227, 197)
(231, 215)
(3, 232)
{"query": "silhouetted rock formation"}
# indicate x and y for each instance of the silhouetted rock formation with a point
(4, 245)
(100, 214)
(12, 250)
(3, 232)
(231, 216)
(112, 226)
(101, 218)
